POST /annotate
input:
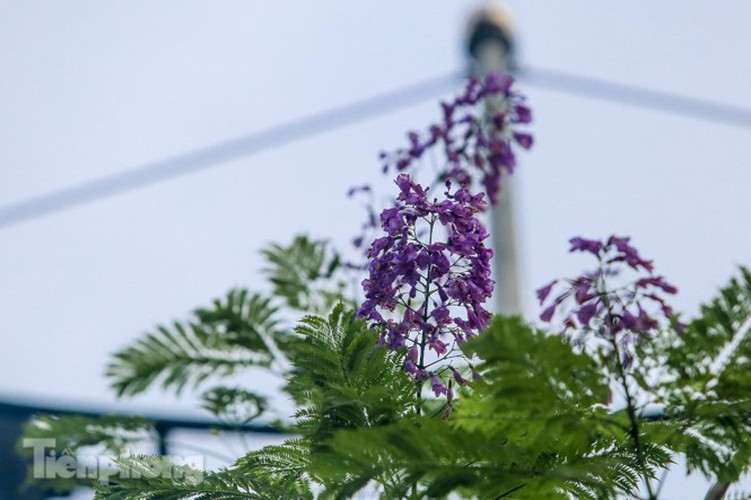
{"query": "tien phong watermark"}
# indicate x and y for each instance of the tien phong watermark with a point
(49, 463)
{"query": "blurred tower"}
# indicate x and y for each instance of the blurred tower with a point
(490, 43)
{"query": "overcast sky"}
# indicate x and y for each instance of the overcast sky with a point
(93, 88)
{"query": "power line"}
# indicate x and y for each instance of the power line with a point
(201, 159)
(640, 97)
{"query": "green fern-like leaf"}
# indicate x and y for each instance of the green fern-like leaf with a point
(342, 379)
(234, 405)
(236, 333)
(285, 466)
(302, 273)
(156, 478)
(706, 384)
(74, 432)
(534, 426)
(272, 472)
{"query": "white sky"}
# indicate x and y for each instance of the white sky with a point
(92, 88)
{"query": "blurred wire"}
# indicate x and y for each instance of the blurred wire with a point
(177, 166)
(640, 97)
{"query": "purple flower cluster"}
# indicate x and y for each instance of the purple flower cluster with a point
(474, 144)
(627, 313)
(429, 275)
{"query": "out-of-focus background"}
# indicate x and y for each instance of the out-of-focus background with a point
(91, 89)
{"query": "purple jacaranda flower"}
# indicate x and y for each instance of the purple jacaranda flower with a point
(586, 313)
(522, 114)
(392, 221)
(658, 282)
(498, 83)
(413, 354)
(667, 311)
(458, 376)
(437, 345)
(474, 145)
(437, 385)
(429, 276)
(548, 313)
(583, 245)
(593, 304)
(524, 140)
(628, 254)
(629, 321)
(411, 368)
(476, 136)
(583, 289)
(647, 322)
(442, 315)
(543, 292)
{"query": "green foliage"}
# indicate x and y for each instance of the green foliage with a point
(706, 384)
(342, 379)
(234, 405)
(273, 472)
(547, 403)
(285, 466)
(114, 434)
(239, 331)
(534, 426)
(532, 376)
(236, 333)
(155, 478)
(538, 423)
(303, 274)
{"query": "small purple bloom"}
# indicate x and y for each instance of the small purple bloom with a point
(628, 254)
(441, 315)
(523, 139)
(474, 142)
(548, 313)
(437, 345)
(542, 293)
(625, 312)
(583, 245)
(523, 114)
(411, 368)
(658, 282)
(582, 288)
(629, 321)
(586, 313)
(457, 376)
(437, 386)
(498, 83)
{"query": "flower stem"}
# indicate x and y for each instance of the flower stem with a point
(425, 316)
(634, 431)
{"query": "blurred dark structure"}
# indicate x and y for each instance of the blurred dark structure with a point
(12, 468)
(13, 415)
